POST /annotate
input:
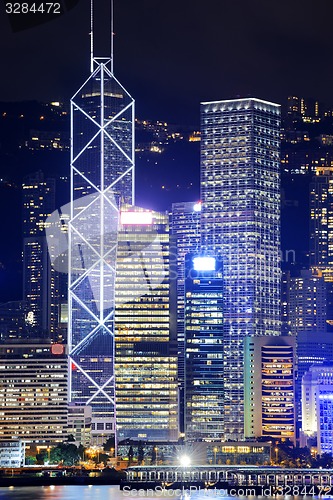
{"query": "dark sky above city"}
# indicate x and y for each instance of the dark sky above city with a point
(170, 55)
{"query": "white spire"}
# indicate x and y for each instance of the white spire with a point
(111, 34)
(92, 56)
(91, 35)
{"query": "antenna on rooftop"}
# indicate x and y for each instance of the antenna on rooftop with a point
(92, 40)
(91, 35)
(111, 35)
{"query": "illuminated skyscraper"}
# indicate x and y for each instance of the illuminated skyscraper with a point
(33, 395)
(240, 193)
(321, 231)
(40, 285)
(321, 221)
(185, 228)
(102, 175)
(307, 317)
(13, 324)
(317, 406)
(312, 349)
(146, 347)
(269, 402)
(307, 303)
(203, 348)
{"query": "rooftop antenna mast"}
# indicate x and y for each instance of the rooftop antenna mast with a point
(111, 34)
(92, 57)
(91, 36)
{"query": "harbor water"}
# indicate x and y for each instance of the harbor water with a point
(105, 492)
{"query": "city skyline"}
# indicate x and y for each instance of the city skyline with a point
(87, 175)
(161, 306)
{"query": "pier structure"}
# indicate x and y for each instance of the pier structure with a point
(229, 476)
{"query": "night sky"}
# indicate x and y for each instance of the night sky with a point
(170, 55)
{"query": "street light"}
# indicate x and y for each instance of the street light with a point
(48, 453)
(276, 454)
(185, 461)
(215, 451)
(155, 449)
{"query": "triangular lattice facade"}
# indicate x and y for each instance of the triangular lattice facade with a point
(102, 175)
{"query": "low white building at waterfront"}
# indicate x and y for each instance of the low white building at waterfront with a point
(12, 453)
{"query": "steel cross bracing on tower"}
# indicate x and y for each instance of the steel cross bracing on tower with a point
(102, 176)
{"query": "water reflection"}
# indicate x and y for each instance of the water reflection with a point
(114, 493)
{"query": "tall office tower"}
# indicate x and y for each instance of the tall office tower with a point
(294, 107)
(269, 401)
(306, 317)
(321, 221)
(145, 324)
(317, 406)
(321, 230)
(102, 175)
(309, 110)
(240, 193)
(203, 348)
(33, 395)
(307, 303)
(13, 321)
(185, 228)
(312, 349)
(40, 286)
(61, 265)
